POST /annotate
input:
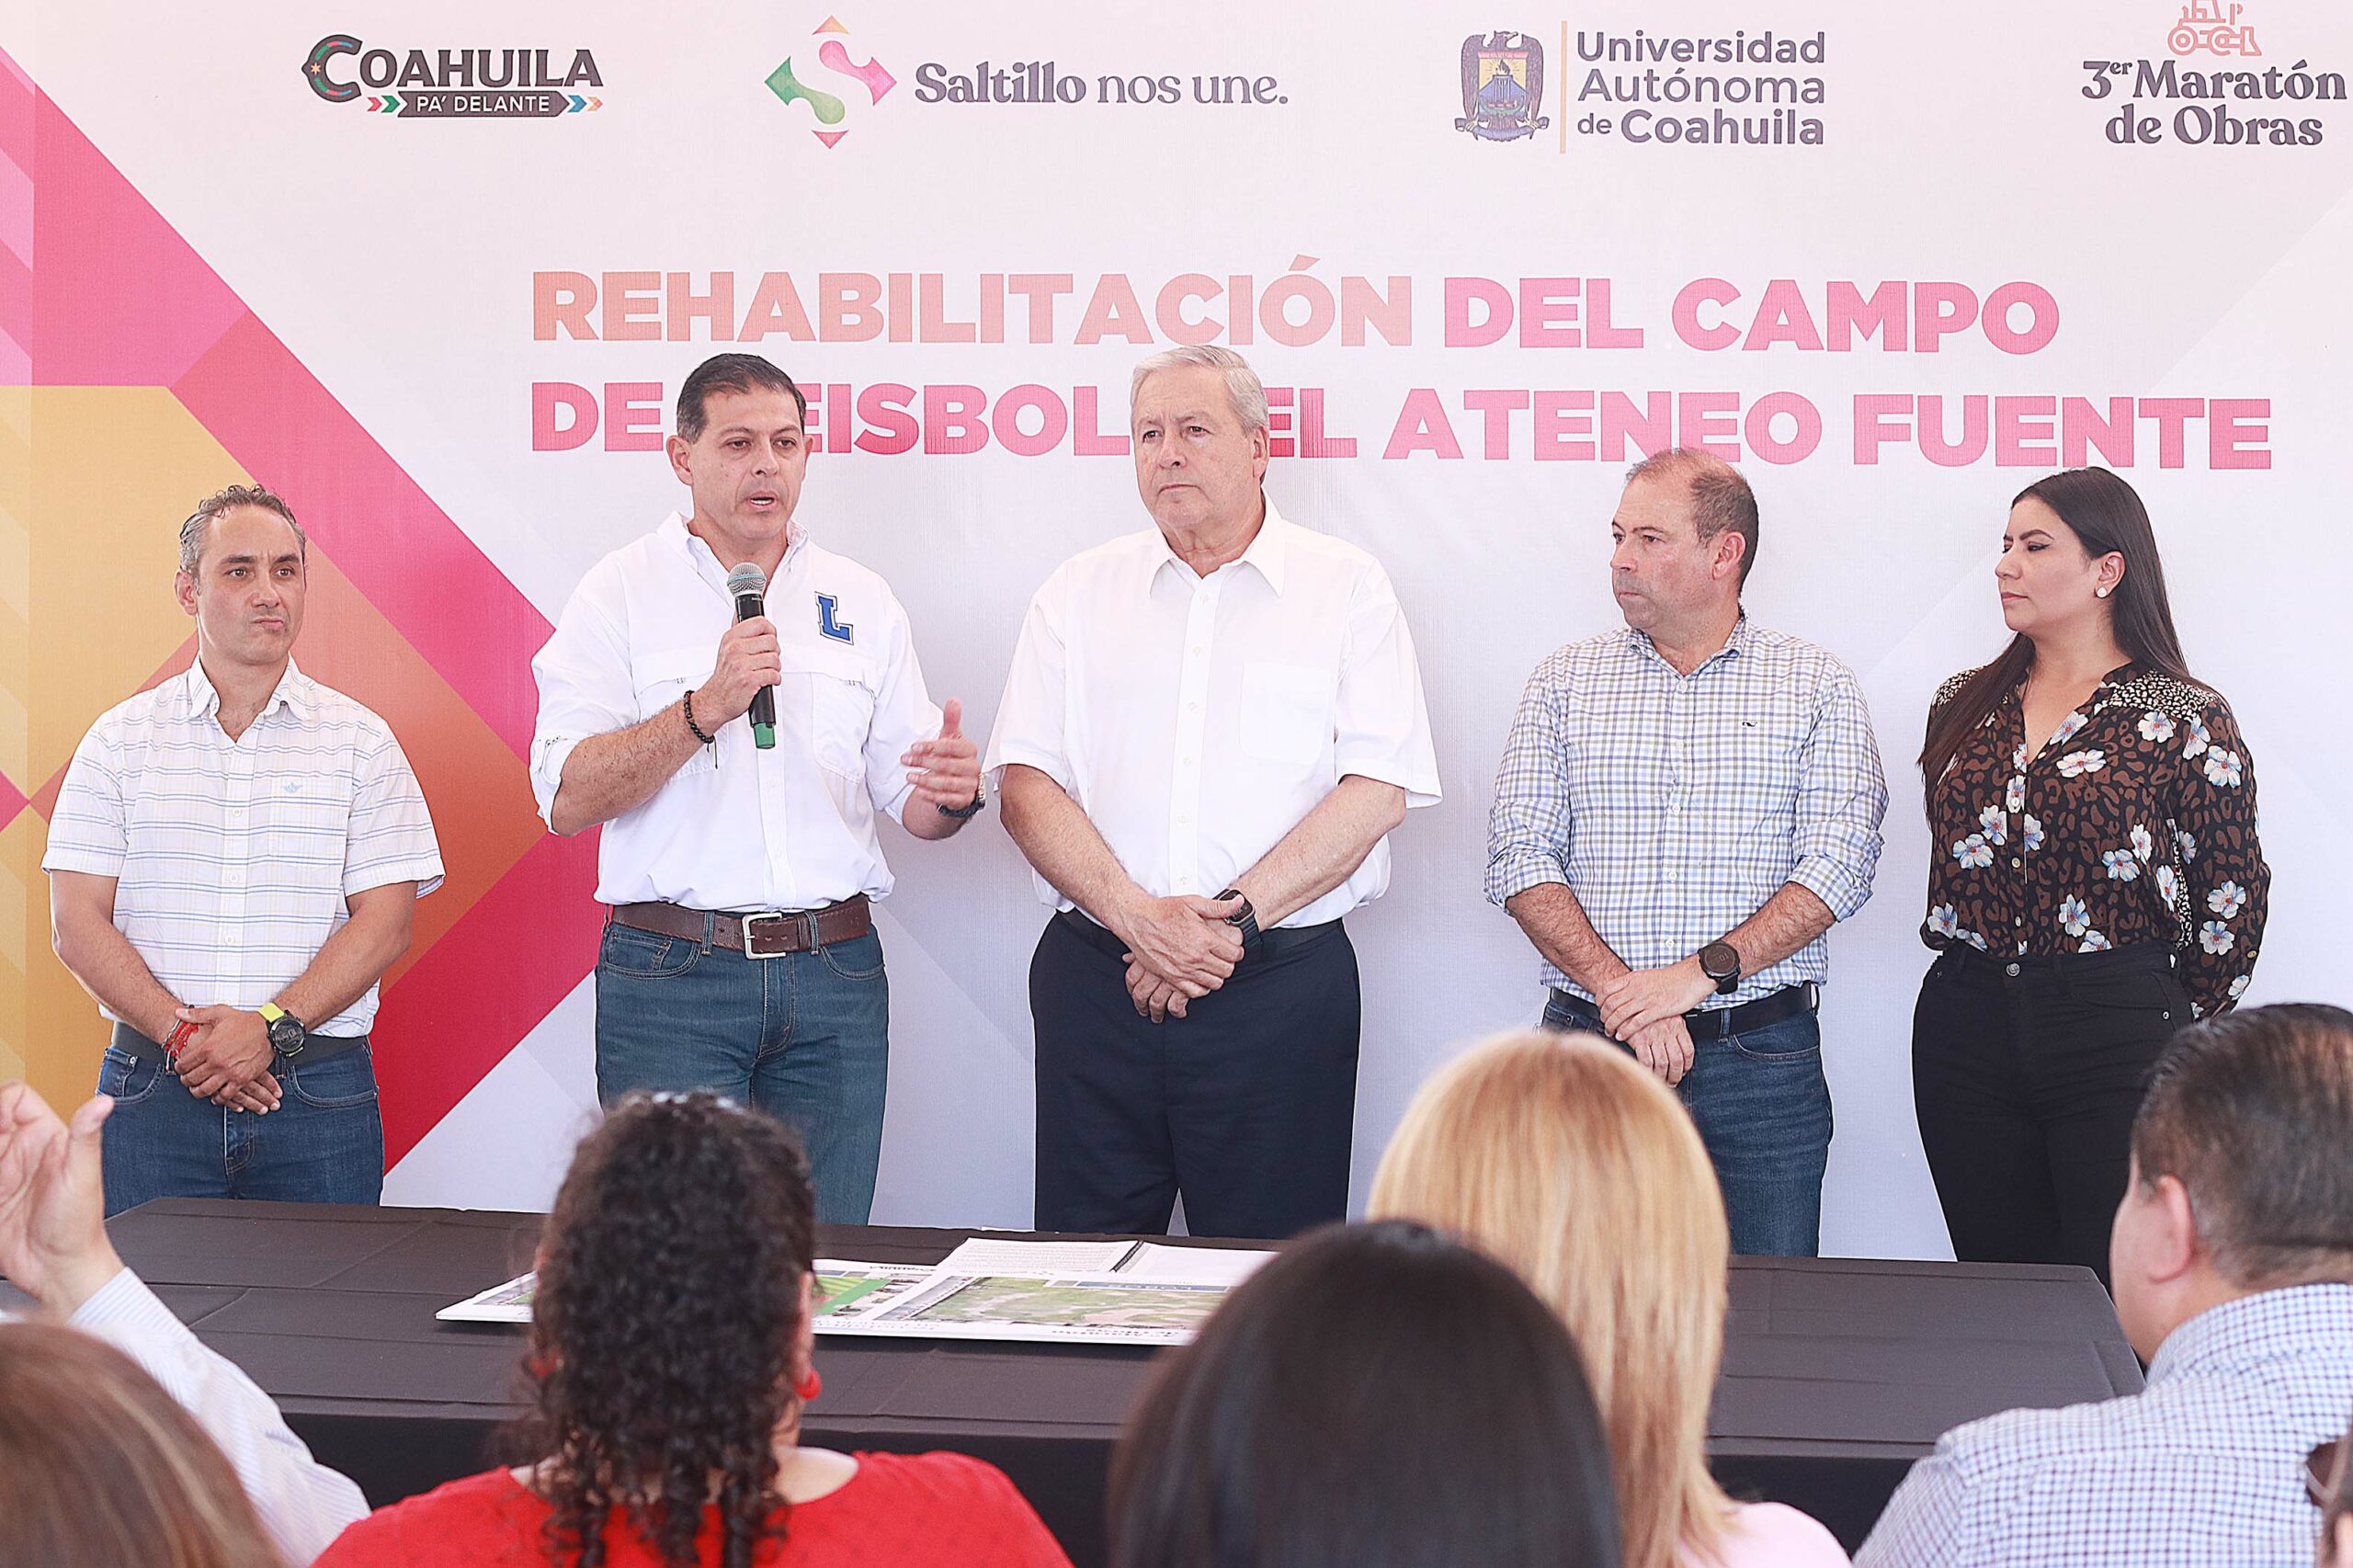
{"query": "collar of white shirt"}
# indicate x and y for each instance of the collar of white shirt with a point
(675, 534)
(1268, 554)
(294, 690)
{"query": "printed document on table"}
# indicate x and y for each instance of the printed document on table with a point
(984, 1255)
(1193, 1266)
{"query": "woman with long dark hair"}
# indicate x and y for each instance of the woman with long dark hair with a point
(2095, 879)
(1376, 1397)
(670, 1356)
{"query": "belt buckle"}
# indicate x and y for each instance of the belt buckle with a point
(750, 949)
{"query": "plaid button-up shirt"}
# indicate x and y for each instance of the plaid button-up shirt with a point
(1674, 805)
(2204, 1465)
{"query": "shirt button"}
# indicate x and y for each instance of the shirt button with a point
(1198, 649)
(2011, 970)
(2014, 861)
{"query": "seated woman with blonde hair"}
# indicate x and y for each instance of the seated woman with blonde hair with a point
(1564, 1158)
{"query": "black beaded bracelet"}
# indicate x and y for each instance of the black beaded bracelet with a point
(687, 707)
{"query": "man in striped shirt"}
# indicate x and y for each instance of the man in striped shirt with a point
(233, 861)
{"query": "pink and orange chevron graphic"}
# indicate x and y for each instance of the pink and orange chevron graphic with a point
(116, 338)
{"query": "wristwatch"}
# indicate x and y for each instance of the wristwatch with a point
(287, 1035)
(1720, 961)
(1245, 919)
(971, 809)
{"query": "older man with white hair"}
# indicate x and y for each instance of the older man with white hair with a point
(1209, 730)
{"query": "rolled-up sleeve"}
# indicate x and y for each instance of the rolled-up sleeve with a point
(1842, 798)
(1381, 722)
(1031, 718)
(1528, 824)
(904, 714)
(584, 679)
(301, 1503)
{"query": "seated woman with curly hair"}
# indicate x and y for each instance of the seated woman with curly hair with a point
(670, 1354)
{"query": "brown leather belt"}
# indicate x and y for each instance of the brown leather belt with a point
(756, 934)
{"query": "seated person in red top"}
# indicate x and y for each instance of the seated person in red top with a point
(670, 1356)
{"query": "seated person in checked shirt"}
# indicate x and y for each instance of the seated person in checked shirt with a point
(2231, 1256)
(53, 1246)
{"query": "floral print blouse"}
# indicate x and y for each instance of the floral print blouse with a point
(2135, 823)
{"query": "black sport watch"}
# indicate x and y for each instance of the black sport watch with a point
(1720, 961)
(1246, 919)
(971, 809)
(287, 1035)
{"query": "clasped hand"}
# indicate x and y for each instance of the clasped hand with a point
(1180, 949)
(1644, 1007)
(228, 1062)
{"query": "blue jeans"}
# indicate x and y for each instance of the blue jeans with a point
(324, 1143)
(805, 1038)
(1763, 1109)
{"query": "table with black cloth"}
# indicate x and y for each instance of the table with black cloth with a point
(1838, 1372)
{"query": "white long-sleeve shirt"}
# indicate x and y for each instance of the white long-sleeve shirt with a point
(301, 1503)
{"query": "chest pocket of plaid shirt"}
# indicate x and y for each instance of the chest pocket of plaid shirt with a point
(660, 677)
(306, 817)
(1286, 713)
(1747, 772)
(837, 689)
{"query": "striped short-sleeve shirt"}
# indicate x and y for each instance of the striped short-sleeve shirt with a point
(233, 859)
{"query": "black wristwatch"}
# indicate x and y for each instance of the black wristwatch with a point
(1245, 919)
(287, 1035)
(971, 809)
(1720, 961)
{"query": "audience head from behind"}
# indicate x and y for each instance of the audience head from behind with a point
(99, 1468)
(673, 1277)
(1374, 1397)
(2242, 1171)
(671, 1352)
(1562, 1156)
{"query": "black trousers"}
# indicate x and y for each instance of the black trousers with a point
(2027, 1074)
(1246, 1104)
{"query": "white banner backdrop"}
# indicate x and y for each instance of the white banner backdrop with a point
(1971, 247)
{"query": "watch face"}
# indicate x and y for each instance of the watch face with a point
(285, 1034)
(1719, 960)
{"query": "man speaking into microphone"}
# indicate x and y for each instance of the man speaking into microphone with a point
(736, 704)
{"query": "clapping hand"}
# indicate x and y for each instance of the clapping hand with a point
(53, 1241)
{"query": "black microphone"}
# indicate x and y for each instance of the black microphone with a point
(748, 583)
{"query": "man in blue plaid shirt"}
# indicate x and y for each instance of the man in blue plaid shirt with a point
(1684, 808)
(2229, 1255)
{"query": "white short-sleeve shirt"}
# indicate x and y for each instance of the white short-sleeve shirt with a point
(1197, 720)
(736, 827)
(233, 859)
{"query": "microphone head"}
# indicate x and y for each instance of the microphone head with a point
(747, 580)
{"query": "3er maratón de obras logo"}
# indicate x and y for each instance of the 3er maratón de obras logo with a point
(2213, 88)
(479, 82)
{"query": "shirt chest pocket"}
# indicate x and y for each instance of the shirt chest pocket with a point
(836, 690)
(661, 678)
(1748, 766)
(306, 819)
(1286, 711)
